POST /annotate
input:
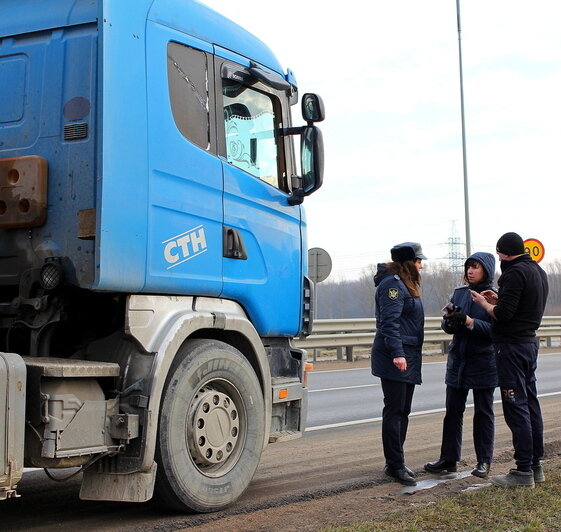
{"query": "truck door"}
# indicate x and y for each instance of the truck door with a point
(185, 188)
(262, 238)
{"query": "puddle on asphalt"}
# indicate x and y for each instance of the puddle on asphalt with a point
(429, 483)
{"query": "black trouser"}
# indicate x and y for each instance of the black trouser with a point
(483, 424)
(516, 366)
(395, 419)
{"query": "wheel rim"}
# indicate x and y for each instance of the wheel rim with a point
(216, 428)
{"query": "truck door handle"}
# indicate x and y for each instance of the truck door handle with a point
(233, 246)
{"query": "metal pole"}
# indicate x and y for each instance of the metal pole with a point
(466, 190)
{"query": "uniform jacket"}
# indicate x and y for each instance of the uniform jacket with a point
(471, 355)
(523, 290)
(400, 321)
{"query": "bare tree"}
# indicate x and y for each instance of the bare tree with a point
(367, 290)
(355, 298)
(438, 284)
(553, 270)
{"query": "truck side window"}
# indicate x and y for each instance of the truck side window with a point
(189, 93)
(251, 120)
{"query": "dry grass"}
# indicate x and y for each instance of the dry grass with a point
(484, 510)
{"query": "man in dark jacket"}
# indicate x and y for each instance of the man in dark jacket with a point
(517, 311)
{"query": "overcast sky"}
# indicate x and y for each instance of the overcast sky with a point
(389, 76)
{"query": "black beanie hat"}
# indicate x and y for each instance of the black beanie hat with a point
(510, 244)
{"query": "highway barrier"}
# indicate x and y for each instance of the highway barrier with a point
(346, 334)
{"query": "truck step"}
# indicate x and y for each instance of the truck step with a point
(68, 367)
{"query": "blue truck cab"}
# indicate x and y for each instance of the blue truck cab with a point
(153, 251)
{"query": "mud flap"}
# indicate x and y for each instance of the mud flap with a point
(132, 487)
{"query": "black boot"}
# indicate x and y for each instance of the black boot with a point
(401, 475)
(481, 470)
(441, 466)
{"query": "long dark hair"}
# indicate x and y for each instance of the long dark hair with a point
(409, 274)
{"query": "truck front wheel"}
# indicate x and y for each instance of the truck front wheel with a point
(211, 428)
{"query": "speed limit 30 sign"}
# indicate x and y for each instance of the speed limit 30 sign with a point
(534, 248)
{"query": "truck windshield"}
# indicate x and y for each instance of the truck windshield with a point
(251, 124)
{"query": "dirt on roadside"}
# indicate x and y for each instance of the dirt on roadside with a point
(314, 512)
(368, 504)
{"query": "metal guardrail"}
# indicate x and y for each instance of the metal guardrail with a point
(350, 333)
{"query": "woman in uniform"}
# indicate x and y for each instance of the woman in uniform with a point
(471, 366)
(396, 351)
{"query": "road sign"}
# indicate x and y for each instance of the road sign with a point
(319, 264)
(534, 248)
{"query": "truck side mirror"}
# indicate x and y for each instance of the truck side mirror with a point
(311, 164)
(311, 154)
(313, 109)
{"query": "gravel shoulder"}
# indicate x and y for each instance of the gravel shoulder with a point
(377, 495)
(366, 504)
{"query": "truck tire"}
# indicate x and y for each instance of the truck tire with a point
(211, 428)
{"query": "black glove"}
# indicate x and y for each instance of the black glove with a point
(451, 326)
(456, 320)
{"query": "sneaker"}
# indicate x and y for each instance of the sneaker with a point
(514, 479)
(539, 475)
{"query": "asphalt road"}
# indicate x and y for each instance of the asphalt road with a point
(342, 451)
(342, 397)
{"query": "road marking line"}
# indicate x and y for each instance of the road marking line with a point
(320, 371)
(317, 371)
(344, 388)
(413, 414)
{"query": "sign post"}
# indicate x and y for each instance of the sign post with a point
(319, 264)
(534, 248)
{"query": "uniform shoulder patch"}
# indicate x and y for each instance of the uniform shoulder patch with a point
(393, 293)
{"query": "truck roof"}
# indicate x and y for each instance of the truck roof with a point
(187, 16)
(212, 28)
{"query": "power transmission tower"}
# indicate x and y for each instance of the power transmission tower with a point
(456, 250)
